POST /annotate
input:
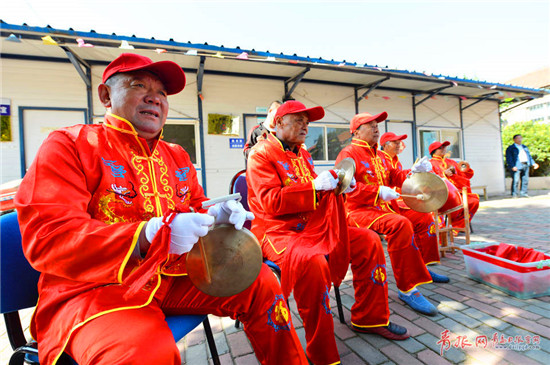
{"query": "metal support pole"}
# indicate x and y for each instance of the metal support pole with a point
(86, 76)
(462, 127)
(200, 74)
(89, 97)
(77, 63)
(515, 106)
(415, 149)
(433, 93)
(501, 146)
(479, 100)
(371, 87)
(355, 101)
(296, 79)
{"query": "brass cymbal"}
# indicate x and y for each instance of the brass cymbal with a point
(226, 263)
(346, 170)
(431, 188)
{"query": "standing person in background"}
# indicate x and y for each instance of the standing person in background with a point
(518, 160)
(261, 130)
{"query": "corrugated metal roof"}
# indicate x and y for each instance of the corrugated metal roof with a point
(224, 59)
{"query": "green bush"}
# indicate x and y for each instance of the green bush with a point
(536, 136)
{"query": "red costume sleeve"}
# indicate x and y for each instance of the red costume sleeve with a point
(365, 193)
(59, 235)
(273, 196)
(397, 177)
(466, 174)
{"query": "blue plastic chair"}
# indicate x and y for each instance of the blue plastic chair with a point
(238, 185)
(18, 290)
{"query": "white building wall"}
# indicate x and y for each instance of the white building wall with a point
(48, 84)
(36, 84)
(231, 96)
(336, 100)
(483, 145)
(443, 111)
(537, 110)
(398, 105)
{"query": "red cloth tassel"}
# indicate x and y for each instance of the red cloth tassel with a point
(325, 234)
(156, 256)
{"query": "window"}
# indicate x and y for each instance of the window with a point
(535, 107)
(324, 142)
(428, 136)
(183, 134)
(315, 143)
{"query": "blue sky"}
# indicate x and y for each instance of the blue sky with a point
(486, 40)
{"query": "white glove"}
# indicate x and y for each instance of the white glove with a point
(352, 186)
(325, 181)
(230, 212)
(187, 228)
(422, 166)
(387, 193)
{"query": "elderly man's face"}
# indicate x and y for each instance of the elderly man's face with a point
(441, 151)
(392, 147)
(368, 132)
(292, 128)
(139, 97)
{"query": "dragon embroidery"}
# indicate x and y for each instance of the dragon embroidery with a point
(183, 194)
(125, 194)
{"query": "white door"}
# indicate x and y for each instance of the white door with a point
(37, 124)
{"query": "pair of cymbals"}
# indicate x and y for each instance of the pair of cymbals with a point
(345, 170)
(225, 262)
(424, 192)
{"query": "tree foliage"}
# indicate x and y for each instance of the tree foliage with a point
(536, 136)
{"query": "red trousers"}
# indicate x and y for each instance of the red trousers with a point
(458, 216)
(408, 266)
(368, 265)
(142, 336)
(424, 234)
(311, 292)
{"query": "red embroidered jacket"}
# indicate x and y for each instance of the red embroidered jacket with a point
(459, 178)
(372, 170)
(281, 193)
(81, 208)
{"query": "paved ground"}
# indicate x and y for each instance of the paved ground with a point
(468, 309)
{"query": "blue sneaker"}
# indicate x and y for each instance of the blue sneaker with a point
(417, 302)
(438, 278)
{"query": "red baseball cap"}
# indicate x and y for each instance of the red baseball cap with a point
(389, 136)
(363, 118)
(293, 107)
(170, 73)
(434, 146)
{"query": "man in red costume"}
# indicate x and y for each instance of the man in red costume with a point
(370, 206)
(447, 168)
(290, 203)
(90, 209)
(423, 223)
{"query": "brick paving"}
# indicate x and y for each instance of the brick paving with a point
(466, 307)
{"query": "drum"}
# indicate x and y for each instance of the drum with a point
(454, 199)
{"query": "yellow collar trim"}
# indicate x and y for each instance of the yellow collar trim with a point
(361, 143)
